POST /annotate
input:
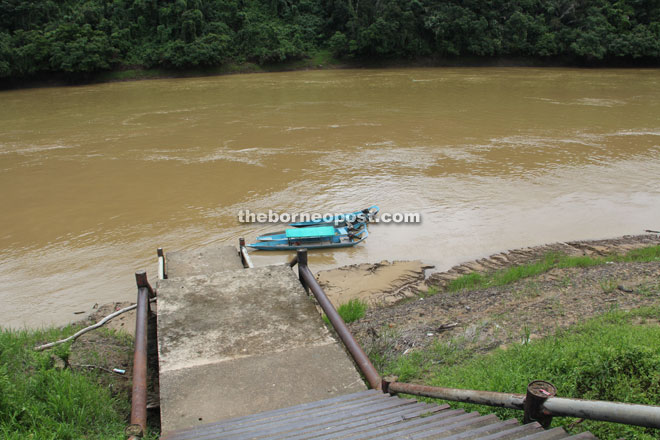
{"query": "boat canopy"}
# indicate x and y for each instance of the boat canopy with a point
(313, 232)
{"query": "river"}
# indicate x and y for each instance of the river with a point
(94, 178)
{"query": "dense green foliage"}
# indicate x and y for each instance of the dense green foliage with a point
(40, 401)
(615, 357)
(83, 36)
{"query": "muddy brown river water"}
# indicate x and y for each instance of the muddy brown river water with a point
(94, 178)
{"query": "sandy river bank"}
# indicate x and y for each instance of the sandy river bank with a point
(387, 283)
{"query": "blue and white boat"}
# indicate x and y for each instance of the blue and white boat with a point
(314, 237)
(342, 230)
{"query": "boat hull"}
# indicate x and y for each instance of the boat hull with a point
(281, 235)
(326, 243)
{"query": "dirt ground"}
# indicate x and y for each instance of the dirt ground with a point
(379, 284)
(124, 323)
(99, 352)
(530, 308)
(96, 352)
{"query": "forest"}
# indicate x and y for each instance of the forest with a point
(81, 37)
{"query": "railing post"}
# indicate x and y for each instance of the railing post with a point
(538, 392)
(301, 257)
(162, 264)
(243, 254)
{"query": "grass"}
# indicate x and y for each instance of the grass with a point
(549, 261)
(649, 289)
(608, 285)
(38, 400)
(350, 311)
(531, 289)
(614, 357)
(431, 291)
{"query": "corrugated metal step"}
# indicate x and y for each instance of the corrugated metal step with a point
(369, 415)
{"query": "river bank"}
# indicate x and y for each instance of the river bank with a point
(417, 323)
(319, 60)
(532, 306)
(583, 315)
(388, 287)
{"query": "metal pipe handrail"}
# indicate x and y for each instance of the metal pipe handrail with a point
(292, 262)
(630, 414)
(360, 357)
(618, 412)
(490, 398)
(139, 392)
(539, 404)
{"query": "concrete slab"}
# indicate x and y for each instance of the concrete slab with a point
(202, 261)
(254, 384)
(240, 342)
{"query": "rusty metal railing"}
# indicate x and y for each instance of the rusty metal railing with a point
(540, 404)
(360, 357)
(139, 392)
(293, 261)
(539, 407)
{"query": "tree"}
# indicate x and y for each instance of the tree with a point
(77, 48)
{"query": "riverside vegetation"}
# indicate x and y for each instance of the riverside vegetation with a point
(68, 392)
(588, 324)
(78, 38)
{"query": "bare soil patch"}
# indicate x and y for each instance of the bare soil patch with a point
(100, 353)
(379, 284)
(124, 323)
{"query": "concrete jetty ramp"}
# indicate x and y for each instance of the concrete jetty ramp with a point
(203, 261)
(234, 342)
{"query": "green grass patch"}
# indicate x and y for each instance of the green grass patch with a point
(431, 291)
(350, 311)
(644, 254)
(549, 261)
(614, 357)
(40, 401)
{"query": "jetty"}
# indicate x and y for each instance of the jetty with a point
(244, 353)
(233, 341)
